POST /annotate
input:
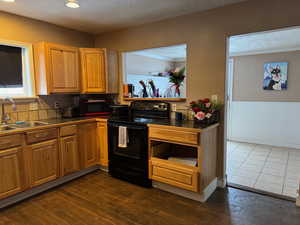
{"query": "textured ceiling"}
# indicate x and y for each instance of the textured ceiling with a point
(270, 41)
(97, 16)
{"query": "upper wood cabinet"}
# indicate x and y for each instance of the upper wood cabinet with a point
(99, 70)
(93, 70)
(10, 172)
(56, 68)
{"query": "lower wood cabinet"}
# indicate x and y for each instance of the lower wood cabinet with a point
(44, 162)
(88, 144)
(10, 172)
(69, 155)
(36, 157)
(182, 176)
(103, 143)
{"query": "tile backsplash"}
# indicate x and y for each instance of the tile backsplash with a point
(41, 109)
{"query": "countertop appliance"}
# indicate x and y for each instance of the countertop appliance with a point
(130, 162)
(92, 107)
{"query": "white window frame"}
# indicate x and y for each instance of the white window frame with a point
(27, 70)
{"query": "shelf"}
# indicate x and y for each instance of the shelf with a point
(156, 99)
(174, 153)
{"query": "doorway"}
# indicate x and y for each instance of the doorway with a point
(263, 101)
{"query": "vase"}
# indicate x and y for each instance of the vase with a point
(215, 118)
(172, 91)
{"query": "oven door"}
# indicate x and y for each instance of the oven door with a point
(137, 146)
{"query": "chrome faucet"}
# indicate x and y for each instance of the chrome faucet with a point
(5, 117)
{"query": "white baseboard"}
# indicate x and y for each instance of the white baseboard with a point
(272, 142)
(222, 182)
(44, 187)
(200, 197)
(298, 199)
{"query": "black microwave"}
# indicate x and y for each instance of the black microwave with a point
(93, 107)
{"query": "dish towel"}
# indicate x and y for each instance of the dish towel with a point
(122, 137)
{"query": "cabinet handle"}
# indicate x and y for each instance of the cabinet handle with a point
(41, 135)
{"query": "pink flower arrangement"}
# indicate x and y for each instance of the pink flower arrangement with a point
(200, 115)
(204, 108)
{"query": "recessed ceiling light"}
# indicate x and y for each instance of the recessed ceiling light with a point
(8, 0)
(72, 4)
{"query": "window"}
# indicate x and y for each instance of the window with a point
(155, 73)
(16, 70)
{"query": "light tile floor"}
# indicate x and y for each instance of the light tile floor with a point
(262, 167)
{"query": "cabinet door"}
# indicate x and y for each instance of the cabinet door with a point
(64, 69)
(10, 172)
(88, 144)
(94, 70)
(103, 143)
(69, 155)
(44, 162)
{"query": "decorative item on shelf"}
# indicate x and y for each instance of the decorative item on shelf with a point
(206, 111)
(144, 90)
(125, 90)
(130, 90)
(176, 77)
(154, 93)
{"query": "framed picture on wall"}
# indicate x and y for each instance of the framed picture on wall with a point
(275, 76)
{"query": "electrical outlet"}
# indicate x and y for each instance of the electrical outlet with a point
(214, 98)
(56, 105)
(174, 108)
(33, 106)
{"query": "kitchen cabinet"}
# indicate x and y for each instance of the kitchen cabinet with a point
(103, 143)
(10, 172)
(99, 70)
(36, 156)
(69, 155)
(185, 158)
(56, 68)
(69, 158)
(44, 162)
(88, 144)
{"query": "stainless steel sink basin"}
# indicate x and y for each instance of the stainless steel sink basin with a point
(29, 124)
(6, 128)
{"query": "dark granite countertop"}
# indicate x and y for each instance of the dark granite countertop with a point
(164, 122)
(145, 121)
(171, 122)
(183, 123)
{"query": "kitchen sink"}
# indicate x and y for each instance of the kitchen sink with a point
(6, 128)
(29, 124)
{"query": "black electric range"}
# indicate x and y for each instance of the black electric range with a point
(130, 161)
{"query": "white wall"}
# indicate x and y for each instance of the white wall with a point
(270, 123)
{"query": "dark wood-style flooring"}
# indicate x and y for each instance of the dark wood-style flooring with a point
(97, 199)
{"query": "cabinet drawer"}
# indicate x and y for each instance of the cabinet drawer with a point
(41, 135)
(10, 141)
(68, 130)
(174, 174)
(177, 135)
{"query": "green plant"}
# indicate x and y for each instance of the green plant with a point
(177, 77)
